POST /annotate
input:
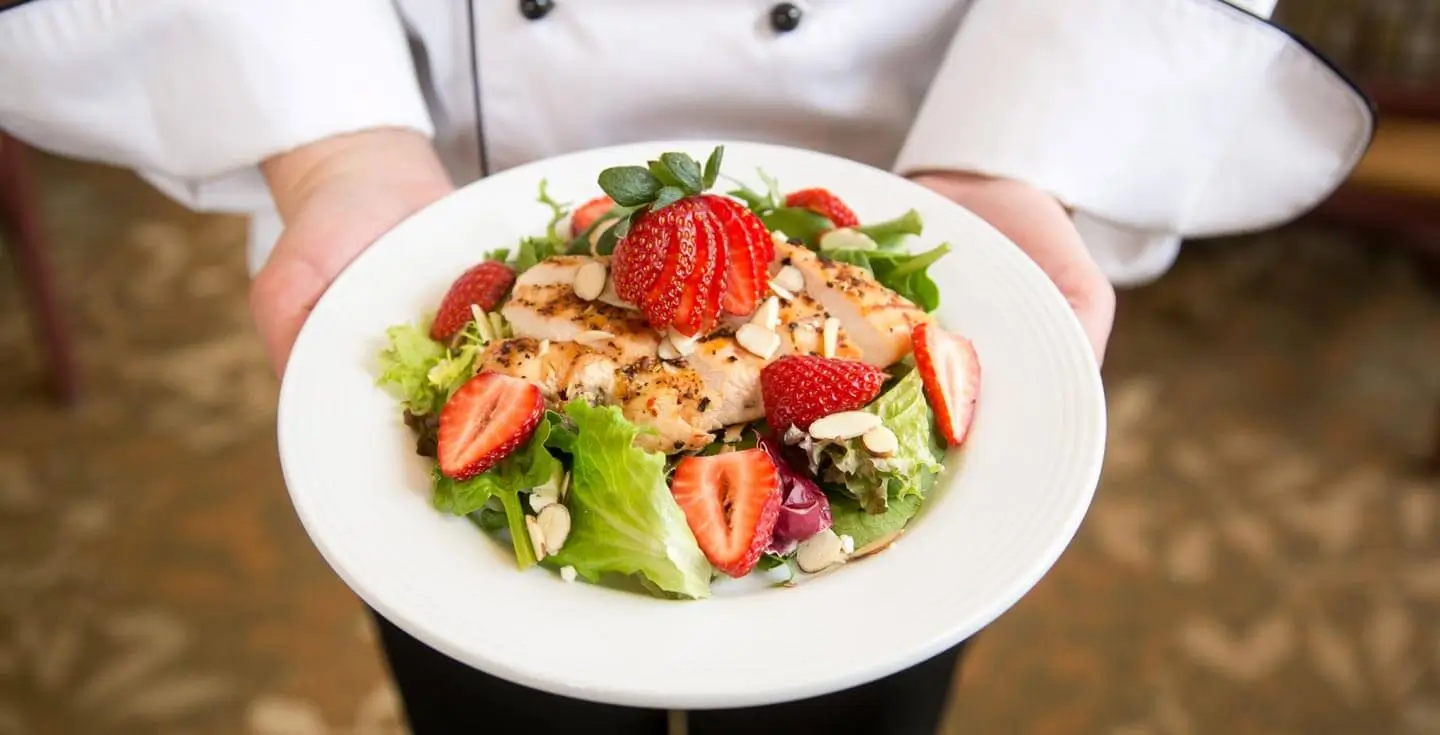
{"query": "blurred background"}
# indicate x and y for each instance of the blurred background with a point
(1263, 555)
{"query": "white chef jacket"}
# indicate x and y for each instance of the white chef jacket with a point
(1153, 120)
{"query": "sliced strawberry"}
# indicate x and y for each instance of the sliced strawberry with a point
(825, 204)
(486, 419)
(701, 290)
(950, 370)
(662, 300)
(750, 251)
(483, 285)
(731, 502)
(641, 255)
(798, 389)
(587, 214)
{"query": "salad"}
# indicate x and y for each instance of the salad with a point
(673, 385)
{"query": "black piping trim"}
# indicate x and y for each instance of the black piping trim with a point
(484, 156)
(1331, 65)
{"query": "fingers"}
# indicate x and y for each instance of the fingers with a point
(281, 299)
(1040, 226)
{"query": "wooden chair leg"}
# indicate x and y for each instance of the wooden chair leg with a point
(20, 218)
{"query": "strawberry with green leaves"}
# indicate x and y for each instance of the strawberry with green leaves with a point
(684, 256)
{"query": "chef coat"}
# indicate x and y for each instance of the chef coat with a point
(1152, 120)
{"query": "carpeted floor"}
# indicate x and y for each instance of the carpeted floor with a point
(1263, 556)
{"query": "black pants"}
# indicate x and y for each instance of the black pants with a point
(443, 696)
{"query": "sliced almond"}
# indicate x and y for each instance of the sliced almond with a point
(682, 344)
(790, 278)
(540, 502)
(544, 347)
(667, 351)
(779, 238)
(733, 433)
(819, 551)
(497, 325)
(537, 537)
(758, 340)
(785, 294)
(565, 486)
(830, 336)
(554, 522)
(593, 337)
(590, 280)
(844, 425)
(567, 573)
(881, 441)
(768, 315)
(847, 544)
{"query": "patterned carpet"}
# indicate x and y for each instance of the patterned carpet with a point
(1263, 556)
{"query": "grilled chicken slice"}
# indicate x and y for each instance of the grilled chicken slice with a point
(562, 370)
(875, 318)
(733, 374)
(670, 398)
(673, 400)
(543, 305)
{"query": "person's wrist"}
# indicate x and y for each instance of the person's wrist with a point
(396, 158)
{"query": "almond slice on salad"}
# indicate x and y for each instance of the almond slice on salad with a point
(789, 278)
(768, 315)
(822, 550)
(881, 441)
(590, 280)
(537, 537)
(554, 522)
(682, 344)
(758, 340)
(844, 425)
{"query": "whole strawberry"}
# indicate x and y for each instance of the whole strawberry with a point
(483, 285)
(798, 389)
(825, 204)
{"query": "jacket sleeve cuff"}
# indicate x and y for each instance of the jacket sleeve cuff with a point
(194, 94)
(1153, 119)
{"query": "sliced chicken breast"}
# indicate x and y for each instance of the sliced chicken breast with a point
(562, 370)
(671, 399)
(733, 374)
(876, 319)
(543, 305)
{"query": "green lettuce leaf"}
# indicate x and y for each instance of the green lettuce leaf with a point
(901, 272)
(530, 466)
(849, 519)
(622, 517)
(891, 234)
(406, 364)
(873, 481)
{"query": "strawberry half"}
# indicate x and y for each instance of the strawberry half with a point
(588, 213)
(483, 285)
(825, 204)
(798, 389)
(950, 371)
(749, 252)
(731, 502)
(486, 419)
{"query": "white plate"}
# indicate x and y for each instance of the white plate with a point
(1004, 510)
